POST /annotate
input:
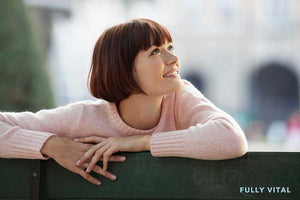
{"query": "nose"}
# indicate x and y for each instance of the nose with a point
(171, 58)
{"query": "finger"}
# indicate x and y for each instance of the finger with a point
(87, 176)
(100, 171)
(115, 158)
(96, 158)
(88, 154)
(107, 152)
(106, 156)
(94, 139)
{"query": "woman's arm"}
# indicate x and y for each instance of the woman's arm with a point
(42, 135)
(215, 139)
(205, 131)
(16, 142)
(23, 134)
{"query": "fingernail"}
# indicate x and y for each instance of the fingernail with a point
(98, 183)
(113, 177)
(75, 139)
(78, 162)
(123, 158)
(87, 170)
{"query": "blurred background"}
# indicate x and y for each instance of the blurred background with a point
(243, 55)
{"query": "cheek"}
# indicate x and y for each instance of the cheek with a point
(149, 76)
(151, 71)
(154, 73)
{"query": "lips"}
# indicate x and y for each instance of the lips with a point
(173, 72)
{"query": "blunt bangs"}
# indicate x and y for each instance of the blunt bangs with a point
(149, 33)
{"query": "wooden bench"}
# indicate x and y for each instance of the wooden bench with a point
(144, 176)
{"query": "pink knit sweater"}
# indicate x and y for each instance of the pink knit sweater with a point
(190, 126)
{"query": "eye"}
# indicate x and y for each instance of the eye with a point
(155, 51)
(171, 48)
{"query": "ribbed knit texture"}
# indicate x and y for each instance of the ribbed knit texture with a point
(190, 126)
(168, 144)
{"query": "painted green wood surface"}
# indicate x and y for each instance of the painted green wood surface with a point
(143, 176)
(14, 178)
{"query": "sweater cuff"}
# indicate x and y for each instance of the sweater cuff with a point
(29, 144)
(168, 144)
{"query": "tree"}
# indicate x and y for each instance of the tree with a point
(24, 81)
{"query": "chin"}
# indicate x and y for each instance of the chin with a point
(165, 88)
(180, 85)
(177, 86)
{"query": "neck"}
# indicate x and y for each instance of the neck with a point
(141, 111)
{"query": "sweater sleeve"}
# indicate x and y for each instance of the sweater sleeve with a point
(206, 132)
(23, 134)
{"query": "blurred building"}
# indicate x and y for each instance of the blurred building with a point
(246, 54)
(242, 55)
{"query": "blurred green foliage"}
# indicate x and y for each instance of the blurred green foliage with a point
(24, 81)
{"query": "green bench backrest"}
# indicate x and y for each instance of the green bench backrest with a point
(144, 176)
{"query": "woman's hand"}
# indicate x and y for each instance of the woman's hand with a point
(105, 147)
(66, 152)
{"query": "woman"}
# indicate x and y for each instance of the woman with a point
(143, 105)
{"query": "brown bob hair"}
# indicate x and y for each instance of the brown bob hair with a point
(111, 73)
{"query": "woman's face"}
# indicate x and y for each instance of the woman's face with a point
(156, 70)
